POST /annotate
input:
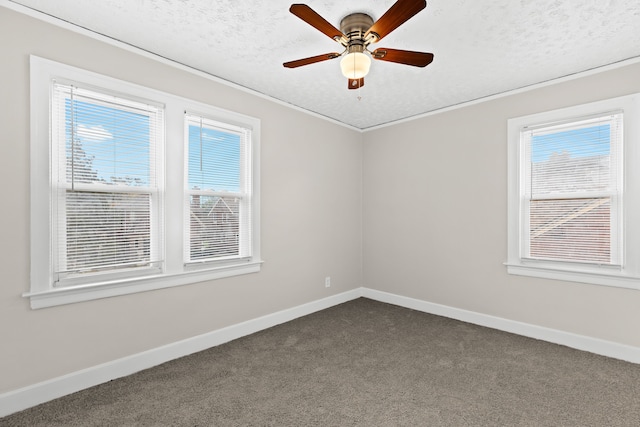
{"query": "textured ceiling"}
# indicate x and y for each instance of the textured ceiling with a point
(481, 48)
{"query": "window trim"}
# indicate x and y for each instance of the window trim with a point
(628, 274)
(42, 293)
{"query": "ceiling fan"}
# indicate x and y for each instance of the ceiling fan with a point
(357, 31)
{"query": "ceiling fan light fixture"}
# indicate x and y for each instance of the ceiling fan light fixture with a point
(357, 31)
(355, 65)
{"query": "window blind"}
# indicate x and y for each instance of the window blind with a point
(572, 185)
(218, 177)
(105, 185)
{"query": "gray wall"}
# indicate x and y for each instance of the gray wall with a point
(311, 219)
(435, 215)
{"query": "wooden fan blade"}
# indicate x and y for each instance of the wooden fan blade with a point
(312, 18)
(356, 83)
(311, 60)
(407, 57)
(397, 15)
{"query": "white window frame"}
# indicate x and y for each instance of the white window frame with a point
(627, 274)
(59, 186)
(174, 271)
(244, 193)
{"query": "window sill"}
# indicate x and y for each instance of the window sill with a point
(70, 295)
(613, 278)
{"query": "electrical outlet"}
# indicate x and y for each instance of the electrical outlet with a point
(327, 282)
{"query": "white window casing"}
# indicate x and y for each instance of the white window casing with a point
(573, 190)
(125, 179)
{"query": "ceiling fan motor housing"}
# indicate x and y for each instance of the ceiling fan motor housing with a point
(355, 26)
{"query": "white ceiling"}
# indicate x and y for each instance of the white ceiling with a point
(481, 48)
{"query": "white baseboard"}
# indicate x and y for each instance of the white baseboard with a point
(580, 342)
(18, 400)
(45, 391)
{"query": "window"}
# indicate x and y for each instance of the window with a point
(571, 189)
(130, 193)
(105, 185)
(218, 191)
